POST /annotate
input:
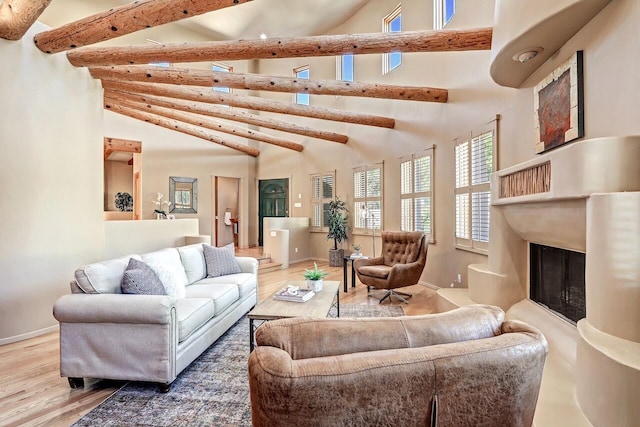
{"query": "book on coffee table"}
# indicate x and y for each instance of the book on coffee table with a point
(302, 295)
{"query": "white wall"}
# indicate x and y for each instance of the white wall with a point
(50, 167)
(137, 237)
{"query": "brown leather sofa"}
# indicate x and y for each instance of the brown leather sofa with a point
(403, 257)
(466, 367)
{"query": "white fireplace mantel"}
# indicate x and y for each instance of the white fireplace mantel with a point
(590, 202)
(592, 205)
(579, 169)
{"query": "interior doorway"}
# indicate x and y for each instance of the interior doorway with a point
(122, 185)
(273, 200)
(227, 195)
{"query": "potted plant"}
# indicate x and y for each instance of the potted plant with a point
(314, 278)
(160, 206)
(338, 229)
(356, 248)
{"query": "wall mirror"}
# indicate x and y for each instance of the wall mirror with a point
(183, 194)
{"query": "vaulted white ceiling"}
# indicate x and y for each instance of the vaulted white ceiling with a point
(245, 21)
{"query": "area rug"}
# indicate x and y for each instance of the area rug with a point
(212, 391)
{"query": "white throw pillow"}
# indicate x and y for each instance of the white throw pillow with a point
(193, 261)
(173, 285)
(169, 258)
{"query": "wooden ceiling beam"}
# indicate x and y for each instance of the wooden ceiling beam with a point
(229, 114)
(125, 145)
(204, 122)
(193, 77)
(291, 47)
(249, 102)
(17, 16)
(123, 20)
(179, 126)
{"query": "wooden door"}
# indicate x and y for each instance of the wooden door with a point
(273, 201)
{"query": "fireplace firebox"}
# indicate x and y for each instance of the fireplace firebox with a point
(557, 281)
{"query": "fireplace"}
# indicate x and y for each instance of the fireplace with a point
(583, 197)
(557, 282)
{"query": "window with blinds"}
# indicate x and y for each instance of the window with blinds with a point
(367, 198)
(416, 193)
(474, 164)
(322, 192)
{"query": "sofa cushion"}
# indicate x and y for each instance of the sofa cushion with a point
(192, 314)
(139, 278)
(103, 277)
(220, 261)
(379, 271)
(246, 282)
(170, 259)
(222, 294)
(192, 258)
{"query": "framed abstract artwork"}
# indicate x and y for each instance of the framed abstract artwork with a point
(559, 106)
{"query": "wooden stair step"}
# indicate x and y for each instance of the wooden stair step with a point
(269, 267)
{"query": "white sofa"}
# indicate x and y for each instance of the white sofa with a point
(107, 334)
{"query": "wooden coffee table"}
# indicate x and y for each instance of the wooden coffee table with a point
(318, 306)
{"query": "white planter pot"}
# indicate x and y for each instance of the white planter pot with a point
(314, 285)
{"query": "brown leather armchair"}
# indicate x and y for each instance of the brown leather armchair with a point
(465, 367)
(404, 255)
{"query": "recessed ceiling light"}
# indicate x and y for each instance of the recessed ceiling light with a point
(263, 36)
(527, 54)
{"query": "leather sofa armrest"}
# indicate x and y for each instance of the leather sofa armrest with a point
(114, 308)
(248, 264)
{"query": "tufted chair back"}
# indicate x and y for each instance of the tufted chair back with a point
(401, 247)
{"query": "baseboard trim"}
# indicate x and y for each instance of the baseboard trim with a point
(301, 260)
(428, 285)
(26, 336)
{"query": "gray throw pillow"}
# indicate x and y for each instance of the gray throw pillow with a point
(220, 261)
(139, 278)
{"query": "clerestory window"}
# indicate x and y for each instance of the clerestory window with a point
(392, 23)
(224, 69)
(443, 11)
(301, 73)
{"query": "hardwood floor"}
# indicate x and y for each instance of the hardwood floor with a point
(32, 393)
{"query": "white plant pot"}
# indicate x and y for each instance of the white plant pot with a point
(314, 285)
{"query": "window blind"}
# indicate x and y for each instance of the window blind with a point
(416, 209)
